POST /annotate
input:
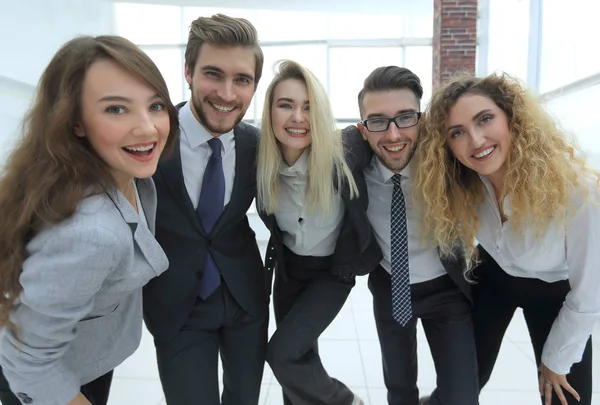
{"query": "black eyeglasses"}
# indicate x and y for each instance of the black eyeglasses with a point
(405, 120)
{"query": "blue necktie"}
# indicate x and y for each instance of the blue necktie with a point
(401, 296)
(210, 207)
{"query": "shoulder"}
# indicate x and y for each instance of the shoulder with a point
(246, 128)
(95, 221)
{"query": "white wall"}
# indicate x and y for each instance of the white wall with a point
(31, 31)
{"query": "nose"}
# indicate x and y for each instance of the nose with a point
(477, 138)
(393, 132)
(226, 91)
(145, 125)
(298, 115)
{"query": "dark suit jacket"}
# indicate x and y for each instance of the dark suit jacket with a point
(455, 266)
(169, 299)
(356, 251)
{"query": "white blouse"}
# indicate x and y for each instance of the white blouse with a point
(305, 232)
(568, 252)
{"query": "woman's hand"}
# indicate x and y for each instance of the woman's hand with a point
(79, 400)
(549, 381)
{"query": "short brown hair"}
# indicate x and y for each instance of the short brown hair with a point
(223, 30)
(391, 78)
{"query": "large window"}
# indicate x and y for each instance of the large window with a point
(508, 41)
(341, 49)
(349, 67)
(570, 33)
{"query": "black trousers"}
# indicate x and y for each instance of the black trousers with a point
(305, 303)
(188, 363)
(446, 317)
(95, 391)
(497, 295)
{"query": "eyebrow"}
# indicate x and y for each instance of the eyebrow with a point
(475, 118)
(219, 70)
(126, 99)
(379, 115)
(289, 100)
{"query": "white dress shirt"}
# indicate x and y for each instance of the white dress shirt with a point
(195, 153)
(305, 232)
(423, 260)
(571, 251)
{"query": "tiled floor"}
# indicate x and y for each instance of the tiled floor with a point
(350, 352)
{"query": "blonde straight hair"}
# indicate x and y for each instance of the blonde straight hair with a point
(326, 153)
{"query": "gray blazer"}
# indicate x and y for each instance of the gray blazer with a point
(80, 311)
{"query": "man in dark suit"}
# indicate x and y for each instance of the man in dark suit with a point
(213, 298)
(412, 281)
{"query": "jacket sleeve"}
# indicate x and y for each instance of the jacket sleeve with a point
(65, 268)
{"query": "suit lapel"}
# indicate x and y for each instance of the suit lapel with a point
(173, 178)
(142, 236)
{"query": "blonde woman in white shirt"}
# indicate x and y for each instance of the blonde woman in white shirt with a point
(320, 236)
(493, 161)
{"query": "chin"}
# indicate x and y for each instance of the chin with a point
(146, 173)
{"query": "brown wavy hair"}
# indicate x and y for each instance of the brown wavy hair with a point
(543, 166)
(51, 169)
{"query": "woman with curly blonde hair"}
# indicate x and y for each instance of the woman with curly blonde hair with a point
(495, 168)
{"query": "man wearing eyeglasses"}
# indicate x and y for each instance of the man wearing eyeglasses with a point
(412, 281)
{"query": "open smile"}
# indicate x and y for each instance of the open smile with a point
(484, 154)
(223, 109)
(395, 149)
(297, 132)
(141, 152)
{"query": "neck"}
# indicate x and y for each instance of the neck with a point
(291, 156)
(497, 180)
(126, 187)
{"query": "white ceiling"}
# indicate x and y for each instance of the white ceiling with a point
(333, 6)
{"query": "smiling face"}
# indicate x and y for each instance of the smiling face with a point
(222, 85)
(478, 135)
(124, 120)
(290, 118)
(394, 147)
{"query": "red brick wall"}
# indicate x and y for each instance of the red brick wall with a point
(454, 37)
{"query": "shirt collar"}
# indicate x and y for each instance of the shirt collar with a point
(385, 174)
(299, 167)
(195, 133)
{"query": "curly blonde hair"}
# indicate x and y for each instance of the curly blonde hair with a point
(542, 166)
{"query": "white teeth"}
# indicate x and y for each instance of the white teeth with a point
(395, 148)
(221, 107)
(296, 131)
(484, 153)
(140, 148)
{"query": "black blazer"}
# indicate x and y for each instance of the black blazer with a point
(454, 266)
(168, 299)
(356, 251)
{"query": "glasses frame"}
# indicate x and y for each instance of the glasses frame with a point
(393, 119)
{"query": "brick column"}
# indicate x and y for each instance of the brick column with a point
(454, 37)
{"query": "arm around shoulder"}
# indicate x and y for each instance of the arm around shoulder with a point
(357, 151)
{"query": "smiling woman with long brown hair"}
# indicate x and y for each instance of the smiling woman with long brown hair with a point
(77, 210)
